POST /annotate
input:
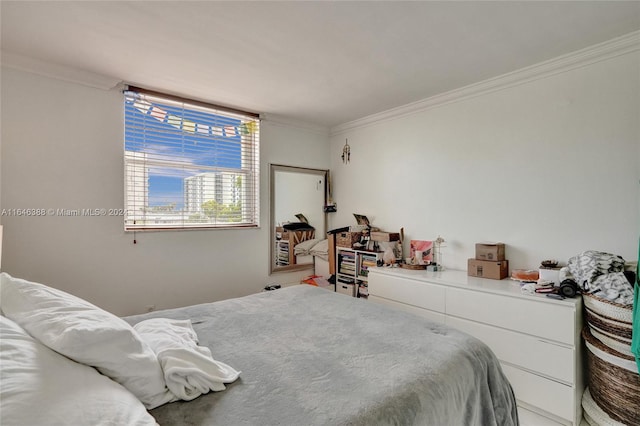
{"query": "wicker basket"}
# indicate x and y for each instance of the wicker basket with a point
(608, 325)
(613, 380)
(615, 311)
(347, 239)
(616, 343)
(609, 322)
(593, 414)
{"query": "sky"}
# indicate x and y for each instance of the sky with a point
(197, 140)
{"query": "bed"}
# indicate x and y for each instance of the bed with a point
(314, 357)
(314, 251)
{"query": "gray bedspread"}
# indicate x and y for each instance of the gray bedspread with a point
(309, 356)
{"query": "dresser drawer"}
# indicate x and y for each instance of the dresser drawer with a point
(415, 293)
(433, 316)
(519, 349)
(546, 320)
(546, 394)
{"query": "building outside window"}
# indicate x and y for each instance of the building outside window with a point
(188, 164)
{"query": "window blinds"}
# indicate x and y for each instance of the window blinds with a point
(189, 164)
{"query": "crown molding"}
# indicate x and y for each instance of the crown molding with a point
(60, 72)
(618, 46)
(279, 120)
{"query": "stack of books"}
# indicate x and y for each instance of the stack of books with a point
(348, 263)
(367, 261)
(282, 254)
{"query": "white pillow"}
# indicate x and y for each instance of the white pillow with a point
(41, 387)
(86, 334)
(306, 245)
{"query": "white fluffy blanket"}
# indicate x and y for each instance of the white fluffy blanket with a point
(189, 369)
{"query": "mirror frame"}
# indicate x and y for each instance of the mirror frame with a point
(273, 168)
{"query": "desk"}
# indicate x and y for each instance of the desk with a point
(286, 241)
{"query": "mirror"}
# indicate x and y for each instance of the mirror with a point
(296, 191)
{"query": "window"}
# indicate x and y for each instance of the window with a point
(189, 164)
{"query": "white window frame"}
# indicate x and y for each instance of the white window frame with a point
(239, 186)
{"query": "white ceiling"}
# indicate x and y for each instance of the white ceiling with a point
(323, 63)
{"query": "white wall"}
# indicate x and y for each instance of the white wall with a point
(299, 193)
(550, 167)
(62, 148)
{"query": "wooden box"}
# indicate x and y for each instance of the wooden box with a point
(347, 239)
(384, 236)
(295, 237)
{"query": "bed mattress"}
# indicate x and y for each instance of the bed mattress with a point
(312, 357)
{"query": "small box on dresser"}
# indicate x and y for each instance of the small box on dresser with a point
(490, 251)
(488, 269)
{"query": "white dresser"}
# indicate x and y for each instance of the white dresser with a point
(536, 338)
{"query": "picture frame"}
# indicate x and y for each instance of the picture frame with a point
(422, 250)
